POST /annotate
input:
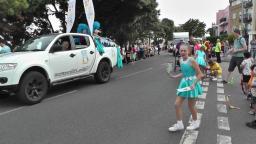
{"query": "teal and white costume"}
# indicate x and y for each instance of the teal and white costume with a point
(189, 76)
(201, 58)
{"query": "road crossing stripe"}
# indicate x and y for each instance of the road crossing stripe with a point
(189, 137)
(205, 83)
(220, 90)
(221, 139)
(223, 123)
(200, 105)
(220, 85)
(222, 108)
(203, 96)
(221, 98)
(205, 89)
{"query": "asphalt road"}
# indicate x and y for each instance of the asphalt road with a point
(135, 107)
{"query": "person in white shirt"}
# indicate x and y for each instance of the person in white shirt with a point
(246, 71)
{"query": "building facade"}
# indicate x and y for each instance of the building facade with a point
(242, 16)
(223, 21)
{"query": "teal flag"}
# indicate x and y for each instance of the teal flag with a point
(99, 46)
(119, 58)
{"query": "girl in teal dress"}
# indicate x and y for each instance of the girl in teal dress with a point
(201, 57)
(191, 75)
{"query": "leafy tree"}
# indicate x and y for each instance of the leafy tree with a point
(178, 29)
(123, 20)
(168, 28)
(194, 27)
(211, 31)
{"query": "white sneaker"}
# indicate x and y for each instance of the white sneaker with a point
(176, 127)
(214, 79)
(194, 125)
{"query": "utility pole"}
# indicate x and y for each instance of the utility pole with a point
(242, 16)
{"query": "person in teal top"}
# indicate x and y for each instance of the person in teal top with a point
(191, 75)
(4, 48)
(201, 57)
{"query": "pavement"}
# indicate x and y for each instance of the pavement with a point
(135, 107)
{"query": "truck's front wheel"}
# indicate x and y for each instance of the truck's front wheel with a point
(103, 72)
(32, 88)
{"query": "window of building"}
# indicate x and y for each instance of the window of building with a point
(234, 15)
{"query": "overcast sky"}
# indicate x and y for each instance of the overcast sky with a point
(181, 11)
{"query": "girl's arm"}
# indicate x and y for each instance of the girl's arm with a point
(243, 64)
(177, 76)
(199, 74)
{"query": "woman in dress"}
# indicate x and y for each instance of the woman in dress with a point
(191, 75)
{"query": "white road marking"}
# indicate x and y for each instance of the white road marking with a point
(221, 98)
(222, 108)
(189, 137)
(205, 89)
(220, 77)
(200, 105)
(206, 83)
(135, 73)
(9, 111)
(221, 139)
(203, 96)
(220, 85)
(207, 79)
(220, 90)
(219, 80)
(60, 95)
(223, 123)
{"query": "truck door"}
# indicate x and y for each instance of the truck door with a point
(86, 52)
(63, 59)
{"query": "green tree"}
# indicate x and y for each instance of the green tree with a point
(12, 7)
(123, 20)
(168, 28)
(178, 29)
(211, 31)
(194, 27)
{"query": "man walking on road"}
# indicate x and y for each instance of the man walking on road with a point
(237, 54)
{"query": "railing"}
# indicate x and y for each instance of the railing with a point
(247, 18)
(248, 4)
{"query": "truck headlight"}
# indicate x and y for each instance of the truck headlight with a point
(7, 66)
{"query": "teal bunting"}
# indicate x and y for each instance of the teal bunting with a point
(99, 46)
(119, 58)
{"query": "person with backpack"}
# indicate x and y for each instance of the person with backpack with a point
(237, 54)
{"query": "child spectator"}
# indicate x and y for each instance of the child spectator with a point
(215, 69)
(252, 87)
(201, 58)
(246, 67)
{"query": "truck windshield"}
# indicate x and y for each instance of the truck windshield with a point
(36, 44)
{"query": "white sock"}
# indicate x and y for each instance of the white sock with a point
(180, 122)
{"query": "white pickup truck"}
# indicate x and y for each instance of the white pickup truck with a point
(53, 59)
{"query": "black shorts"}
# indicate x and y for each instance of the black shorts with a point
(235, 62)
(253, 101)
(246, 78)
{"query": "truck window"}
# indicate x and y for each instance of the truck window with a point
(81, 42)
